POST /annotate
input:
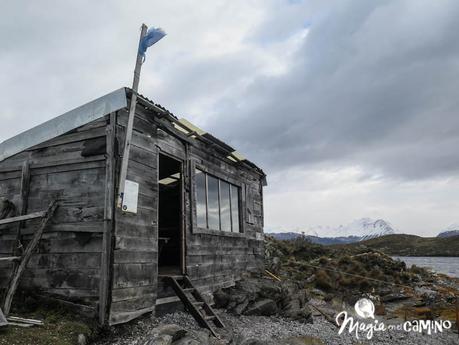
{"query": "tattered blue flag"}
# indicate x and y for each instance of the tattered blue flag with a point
(153, 35)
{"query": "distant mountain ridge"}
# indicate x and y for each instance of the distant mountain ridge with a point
(450, 231)
(358, 230)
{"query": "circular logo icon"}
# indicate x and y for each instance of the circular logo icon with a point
(365, 308)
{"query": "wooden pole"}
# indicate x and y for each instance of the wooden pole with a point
(127, 143)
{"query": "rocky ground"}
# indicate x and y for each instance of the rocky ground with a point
(296, 304)
(180, 328)
(315, 284)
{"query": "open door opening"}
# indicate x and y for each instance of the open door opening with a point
(169, 216)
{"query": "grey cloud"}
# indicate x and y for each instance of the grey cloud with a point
(374, 84)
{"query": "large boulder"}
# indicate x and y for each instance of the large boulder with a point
(262, 296)
(264, 307)
(159, 339)
(165, 335)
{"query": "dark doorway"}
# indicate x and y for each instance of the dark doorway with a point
(169, 215)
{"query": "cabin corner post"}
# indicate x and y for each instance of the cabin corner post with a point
(107, 240)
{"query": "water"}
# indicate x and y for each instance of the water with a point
(445, 265)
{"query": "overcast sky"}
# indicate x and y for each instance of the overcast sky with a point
(350, 107)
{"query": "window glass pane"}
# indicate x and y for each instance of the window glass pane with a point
(235, 208)
(225, 210)
(212, 203)
(201, 199)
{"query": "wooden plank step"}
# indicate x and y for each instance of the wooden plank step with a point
(206, 307)
(199, 308)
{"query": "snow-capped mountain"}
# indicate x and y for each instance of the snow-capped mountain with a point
(450, 231)
(364, 228)
(358, 230)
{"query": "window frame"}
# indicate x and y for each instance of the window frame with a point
(231, 181)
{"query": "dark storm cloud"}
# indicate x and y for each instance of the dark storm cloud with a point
(374, 84)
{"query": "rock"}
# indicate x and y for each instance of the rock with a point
(253, 342)
(202, 336)
(265, 307)
(269, 289)
(239, 309)
(82, 339)
(318, 293)
(305, 340)
(242, 339)
(187, 340)
(394, 297)
(295, 312)
(310, 279)
(160, 339)
(221, 299)
(166, 334)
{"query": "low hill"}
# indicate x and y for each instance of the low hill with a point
(290, 236)
(411, 245)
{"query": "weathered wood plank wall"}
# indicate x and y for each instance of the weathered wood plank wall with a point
(217, 258)
(213, 258)
(94, 254)
(71, 168)
(135, 253)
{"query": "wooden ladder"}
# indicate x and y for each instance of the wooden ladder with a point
(195, 303)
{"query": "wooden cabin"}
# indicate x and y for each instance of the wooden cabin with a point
(195, 208)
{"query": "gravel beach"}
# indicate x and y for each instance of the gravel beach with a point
(270, 331)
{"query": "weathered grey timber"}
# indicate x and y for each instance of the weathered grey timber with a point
(106, 262)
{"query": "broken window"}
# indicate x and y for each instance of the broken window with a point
(217, 203)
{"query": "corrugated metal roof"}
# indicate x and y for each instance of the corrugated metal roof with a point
(72, 119)
(94, 110)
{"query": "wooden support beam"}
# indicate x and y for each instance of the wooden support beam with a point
(107, 240)
(30, 216)
(10, 258)
(23, 320)
(17, 273)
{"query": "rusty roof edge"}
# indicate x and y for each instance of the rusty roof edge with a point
(72, 119)
(171, 117)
